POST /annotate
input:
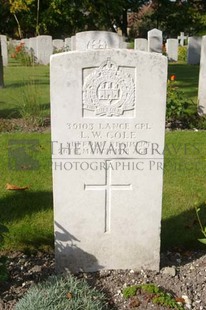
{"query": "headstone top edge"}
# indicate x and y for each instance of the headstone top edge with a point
(107, 51)
(97, 31)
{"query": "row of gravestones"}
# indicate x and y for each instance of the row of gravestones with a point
(155, 44)
(43, 46)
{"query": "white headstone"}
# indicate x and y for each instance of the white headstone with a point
(67, 44)
(155, 41)
(172, 49)
(73, 43)
(202, 79)
(58, 45)
(44, 49)
(33, 46)
(141, 44)
(15, 42)
(194, 50)
(26, 42)
(182, 38)
(4, 49)
(88, 40)
(108, 139)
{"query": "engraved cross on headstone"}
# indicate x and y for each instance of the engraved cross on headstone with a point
(108, 187)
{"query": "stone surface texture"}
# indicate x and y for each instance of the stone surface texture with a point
(172, 49)
(58, 44)
(4, 50)
(155, 41)
(108, 137)
(44, 49)
(194, 50)
(202, 79)
(141, 45)
(88, 40)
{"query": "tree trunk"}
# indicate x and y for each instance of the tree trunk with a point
(124, 22)
(18, 25)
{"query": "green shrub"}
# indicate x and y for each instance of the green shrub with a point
(61, 293)
(180, 111)
(182, 53)
(130, 291)
(155, 294)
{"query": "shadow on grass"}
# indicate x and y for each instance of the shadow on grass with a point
(18, 204)
(26, 82)
(10, 113)
(183, 231)
(15, 113)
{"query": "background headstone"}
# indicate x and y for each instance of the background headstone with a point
(107, 179)
(33, 46)
(155, 41)
(141, 44)
(67, 44)
(194, 50)
(26, 43)
(87, 40)
(182, 38)
(44, 49)
(1, 69)
(73, 43)
(4, 50)
(172, 49)
(202, 79)
(58, 45)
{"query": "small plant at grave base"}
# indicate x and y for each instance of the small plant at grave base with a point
(180, 112)
(202, 228)
(3, 259)
(62, 293)
(31, 109)
(155, 294)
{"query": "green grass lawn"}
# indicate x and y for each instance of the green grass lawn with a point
(21, 82)
(29, 214)
(186, 78)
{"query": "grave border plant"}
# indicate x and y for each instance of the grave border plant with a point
(62, 292)
(181, 112)
(153, 293)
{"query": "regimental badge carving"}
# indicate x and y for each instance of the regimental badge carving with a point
(108, 91)
(95, 44)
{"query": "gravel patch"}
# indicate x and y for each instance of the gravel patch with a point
(183, 274)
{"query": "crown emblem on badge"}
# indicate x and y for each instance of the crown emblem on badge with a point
(108, 91)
